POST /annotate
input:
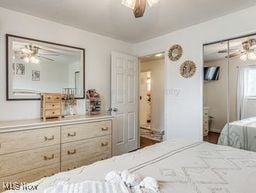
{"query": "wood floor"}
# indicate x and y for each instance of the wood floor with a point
(212, 137)
(144, 142)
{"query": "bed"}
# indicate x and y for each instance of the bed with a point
(240, 134)
(179, 167)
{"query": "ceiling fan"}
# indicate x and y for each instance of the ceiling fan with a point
(31, 53)
(139, 6)
(248, 51)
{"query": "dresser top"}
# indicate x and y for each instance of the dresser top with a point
(16, 125)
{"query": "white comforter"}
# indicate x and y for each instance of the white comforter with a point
(240, 134)
(179, 166)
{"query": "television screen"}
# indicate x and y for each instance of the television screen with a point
(211, 73)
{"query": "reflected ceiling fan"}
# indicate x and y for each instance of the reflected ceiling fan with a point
(248, 51)
(31, 53)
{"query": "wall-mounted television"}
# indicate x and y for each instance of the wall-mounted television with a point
(211, 73)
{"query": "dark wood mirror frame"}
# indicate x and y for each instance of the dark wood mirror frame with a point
(7, 36)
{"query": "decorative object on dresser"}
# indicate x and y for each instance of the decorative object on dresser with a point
(69, 102)
(188, 69)
(93, 102)
(33, 149)
(175, 52)
(51, 105)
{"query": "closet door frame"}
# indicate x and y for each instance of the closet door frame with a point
(228, 63)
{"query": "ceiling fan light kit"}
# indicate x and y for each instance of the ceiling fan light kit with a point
(248, 51)
(32, 54)
(139, 6)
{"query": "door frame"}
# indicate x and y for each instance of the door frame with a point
(165, 93)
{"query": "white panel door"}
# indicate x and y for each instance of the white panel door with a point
(124, 102)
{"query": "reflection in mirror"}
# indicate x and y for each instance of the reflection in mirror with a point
(215, 95)
(241, 132)
(230, 93)
(36, 67)
(242, 78)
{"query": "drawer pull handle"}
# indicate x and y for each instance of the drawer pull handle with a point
(104, 128)
(104, 144)
(72, 134)
(48, 139)
(48, 98)
(53, 105)
(72, 152)
(48, 158)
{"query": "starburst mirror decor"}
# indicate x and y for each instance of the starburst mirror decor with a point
(188, 69)
(139, 6)
(175, 52)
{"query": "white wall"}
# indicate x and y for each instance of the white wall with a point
(184, 98)
(145, 105)
(156, 67)
(98, 50)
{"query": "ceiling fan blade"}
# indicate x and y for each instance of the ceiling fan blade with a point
(226, 51)
(49, 54)
(233, 55)
(222, 51)
(48, 50)
(46, 58)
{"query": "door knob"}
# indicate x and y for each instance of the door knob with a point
(115, 109)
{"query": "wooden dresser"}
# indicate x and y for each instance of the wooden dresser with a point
(37, 149)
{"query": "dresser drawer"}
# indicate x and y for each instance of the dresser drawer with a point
(85, 131)
(52, 113)
(31, 176)
(50, 106)
(25, 140)
(85, 151)
(14, 163)
(73, 164)
(52, 98)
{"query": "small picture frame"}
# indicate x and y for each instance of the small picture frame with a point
(20, 69)
(35, 75)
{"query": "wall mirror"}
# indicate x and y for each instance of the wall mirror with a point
(35, 67)
(230, 92)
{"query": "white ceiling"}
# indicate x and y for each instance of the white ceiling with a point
(110, 18)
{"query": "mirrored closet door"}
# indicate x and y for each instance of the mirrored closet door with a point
(230, 93)
(215, 90)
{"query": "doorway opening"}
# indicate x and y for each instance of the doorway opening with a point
(151, 100)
